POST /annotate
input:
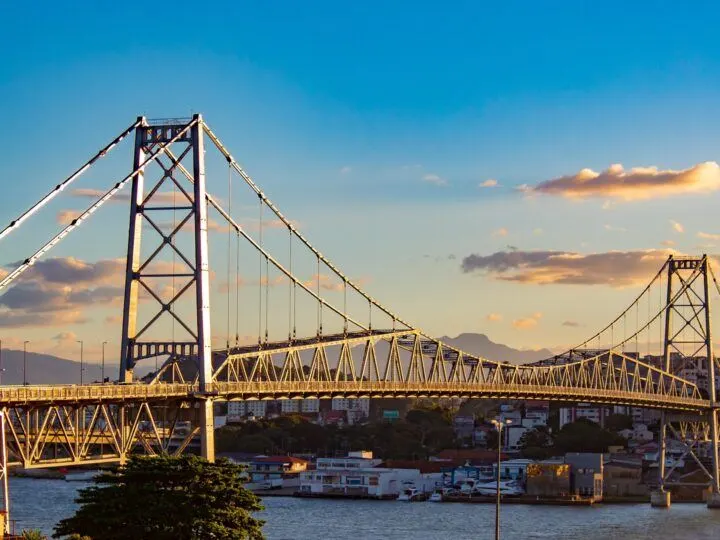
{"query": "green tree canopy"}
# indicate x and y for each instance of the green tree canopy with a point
(164, 498)
(585, 436)
(536, 443)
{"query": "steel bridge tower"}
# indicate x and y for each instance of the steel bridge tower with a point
(687, 342)
(185, 175)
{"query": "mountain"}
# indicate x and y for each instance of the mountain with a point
(48, 369)
(481, 345)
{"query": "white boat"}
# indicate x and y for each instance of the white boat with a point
(507, 488)
(81, 476)
(411, 494)
(440, 494)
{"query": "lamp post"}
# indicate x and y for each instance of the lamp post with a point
(102, 368)
(499, 425)
(25, 362)
(81, 362)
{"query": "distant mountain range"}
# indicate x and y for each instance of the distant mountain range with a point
(49, 369)
(481, 345)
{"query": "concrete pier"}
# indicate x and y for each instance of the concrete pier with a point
(713, 500)
(660, 499)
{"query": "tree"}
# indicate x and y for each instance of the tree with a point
(618, 422)
(584, 435)
(164, 498)
(536, 443)
(33, 534)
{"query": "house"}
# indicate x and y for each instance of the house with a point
(275, 471)
(548, 480)
(586, 474)
(623, 477)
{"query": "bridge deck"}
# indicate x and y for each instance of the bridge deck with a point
(12, 396)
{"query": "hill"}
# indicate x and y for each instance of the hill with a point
(481, 345)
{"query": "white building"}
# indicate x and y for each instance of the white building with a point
(583, 410)
(238, 410)
(357, 475)
(357, 409)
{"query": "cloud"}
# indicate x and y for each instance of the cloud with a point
(668, 243)
(708, 236)
(65, 217)
(346, 170)
(537, 231)
(527, 322)
(490, 182)
(494, 317)
(167, 197)
(637, 183)
(678, 227)
(613, 228)
(434, 179)
(502, 231)
(571, 324)
(614, 268)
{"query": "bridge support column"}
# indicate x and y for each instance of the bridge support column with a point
(660, 499)
(207, 430)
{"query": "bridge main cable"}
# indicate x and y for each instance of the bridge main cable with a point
(249, 181)
(27, 263)
(14, 224)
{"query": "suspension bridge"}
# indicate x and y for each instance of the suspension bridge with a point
(319, 334)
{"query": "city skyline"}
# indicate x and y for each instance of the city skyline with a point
(524, 196)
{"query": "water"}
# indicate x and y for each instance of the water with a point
(42, 503)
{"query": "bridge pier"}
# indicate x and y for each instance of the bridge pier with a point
(660, 499)
(713, 501)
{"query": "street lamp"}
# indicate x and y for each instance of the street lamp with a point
(102, 369)
(81, 363)
(25, 362)
(499, 425)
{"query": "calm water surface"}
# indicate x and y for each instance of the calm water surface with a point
(42, 503)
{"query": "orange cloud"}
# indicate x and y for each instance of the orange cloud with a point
(614, 268)
(677, 227)
(708, 236)
(488, 183)
(494, 317)
(637, 183)
(502, 231)
(527, 322)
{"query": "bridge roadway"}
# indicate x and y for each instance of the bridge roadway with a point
(138, 393)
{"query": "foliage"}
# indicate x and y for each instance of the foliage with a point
(536, 443)
(618, 422)
(33, 534)
(164, 498)
(585, 436)
(424, 432)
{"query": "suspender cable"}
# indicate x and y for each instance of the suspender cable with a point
(260, 272)
(267, 296)
(237, 289)
(14, 224)
(290, 287)
(345, 324)
(319, 304)
(229, 252)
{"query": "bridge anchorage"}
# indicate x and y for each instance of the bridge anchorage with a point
(290, 325)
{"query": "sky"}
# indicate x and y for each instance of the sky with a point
(515, 169)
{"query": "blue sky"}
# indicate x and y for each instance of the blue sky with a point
(374, 123)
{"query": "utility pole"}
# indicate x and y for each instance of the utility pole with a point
(102, 368)
(81, 362)
(499, 424)
(25, 362)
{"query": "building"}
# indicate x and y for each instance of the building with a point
(359, 475)
(623, 477)
(268, 472)
(357, 410)
(583, 410)
(512, 469)
(548, 480)
(464, 427)
(239, 410)
(586, 474)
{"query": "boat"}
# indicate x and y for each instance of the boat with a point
(412, 494)
(440, 494)
(508, 488)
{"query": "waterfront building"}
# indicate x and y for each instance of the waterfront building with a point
(586, 474)
(548, 480)
(623, 476)
(275, 471)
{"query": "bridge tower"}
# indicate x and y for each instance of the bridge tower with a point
(687, 343)
(148, 272)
